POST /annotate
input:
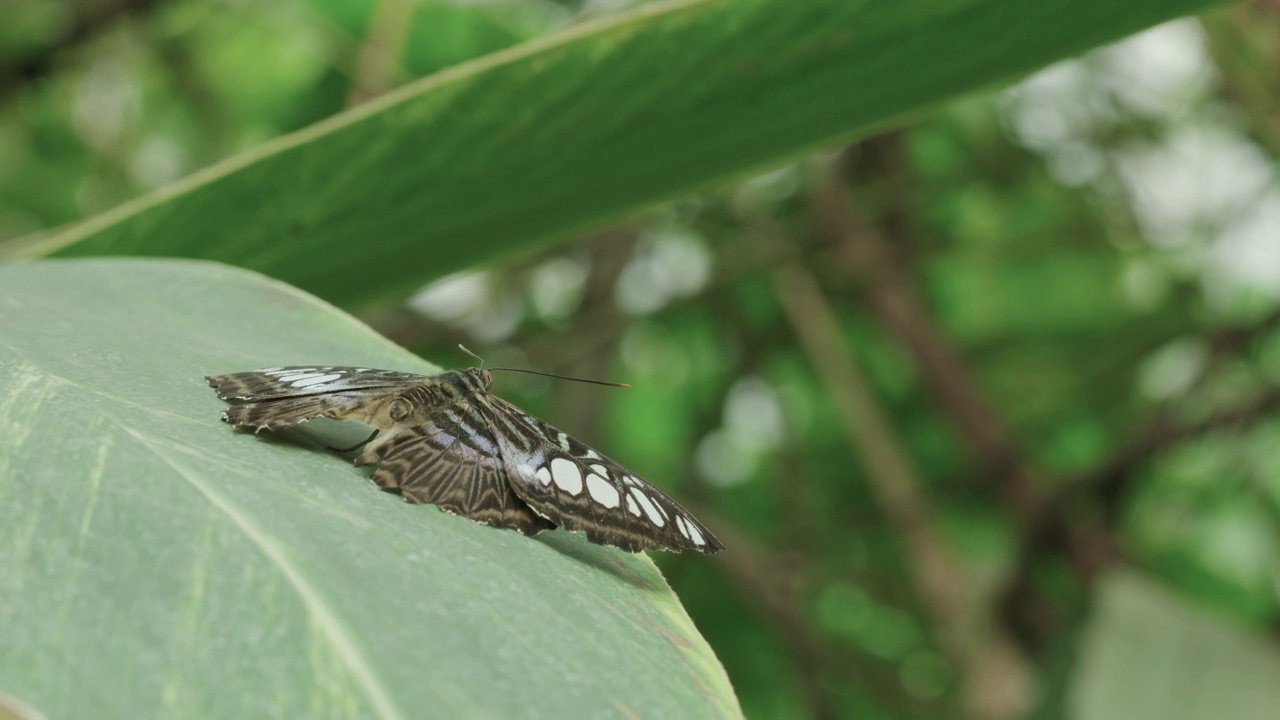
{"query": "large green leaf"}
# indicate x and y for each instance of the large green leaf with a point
(571, 131)
(154, 563)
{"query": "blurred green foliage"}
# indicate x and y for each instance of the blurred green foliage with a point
(1062, 295)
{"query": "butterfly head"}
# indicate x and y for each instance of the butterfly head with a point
(475, 379)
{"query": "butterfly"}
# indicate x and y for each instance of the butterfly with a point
(446, 440)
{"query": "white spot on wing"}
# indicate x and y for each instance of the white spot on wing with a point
(289, 371)
(564, 442)
(681, 526)
(290, 377)
(593, 455)
(544, 476)
(632, 507)
(566, 475)
(694, 534)
(600, 470)
(655, 517)
(602, 492)
(320, 380)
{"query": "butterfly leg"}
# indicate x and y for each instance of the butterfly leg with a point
(357, 446)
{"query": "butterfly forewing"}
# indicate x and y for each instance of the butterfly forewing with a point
(304, 380)
(281, 397)
(577, 488)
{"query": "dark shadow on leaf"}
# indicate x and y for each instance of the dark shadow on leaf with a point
(627, 566)
(316, 436)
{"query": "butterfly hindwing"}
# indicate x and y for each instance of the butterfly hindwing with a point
(577, 488)
(452, 462)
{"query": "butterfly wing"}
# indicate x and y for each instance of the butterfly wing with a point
(279, 398)
(577, 488)
(452, 461)
(304, 380)
(482, 458)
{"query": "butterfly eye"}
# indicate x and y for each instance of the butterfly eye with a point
(400, 409)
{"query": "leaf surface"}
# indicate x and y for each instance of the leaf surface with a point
(155, 563)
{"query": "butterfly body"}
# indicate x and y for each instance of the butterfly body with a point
(446, 440)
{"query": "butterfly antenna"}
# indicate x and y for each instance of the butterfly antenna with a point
(544, 374)
(564, 377)
(464, 349)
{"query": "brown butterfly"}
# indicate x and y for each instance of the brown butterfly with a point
(445, 440)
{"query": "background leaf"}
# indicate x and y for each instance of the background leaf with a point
(1148, 655)
(154, 563)
(568, 132)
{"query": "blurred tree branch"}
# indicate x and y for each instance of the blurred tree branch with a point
(771, 584)
(1243, 51)
(1113, 480)
(893, 297)
(378, 61)
(1087, 536)
(583, 404)
(995, 679)
(938, 583)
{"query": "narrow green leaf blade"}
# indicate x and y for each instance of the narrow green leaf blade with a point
(155, 563)
(569, 132)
